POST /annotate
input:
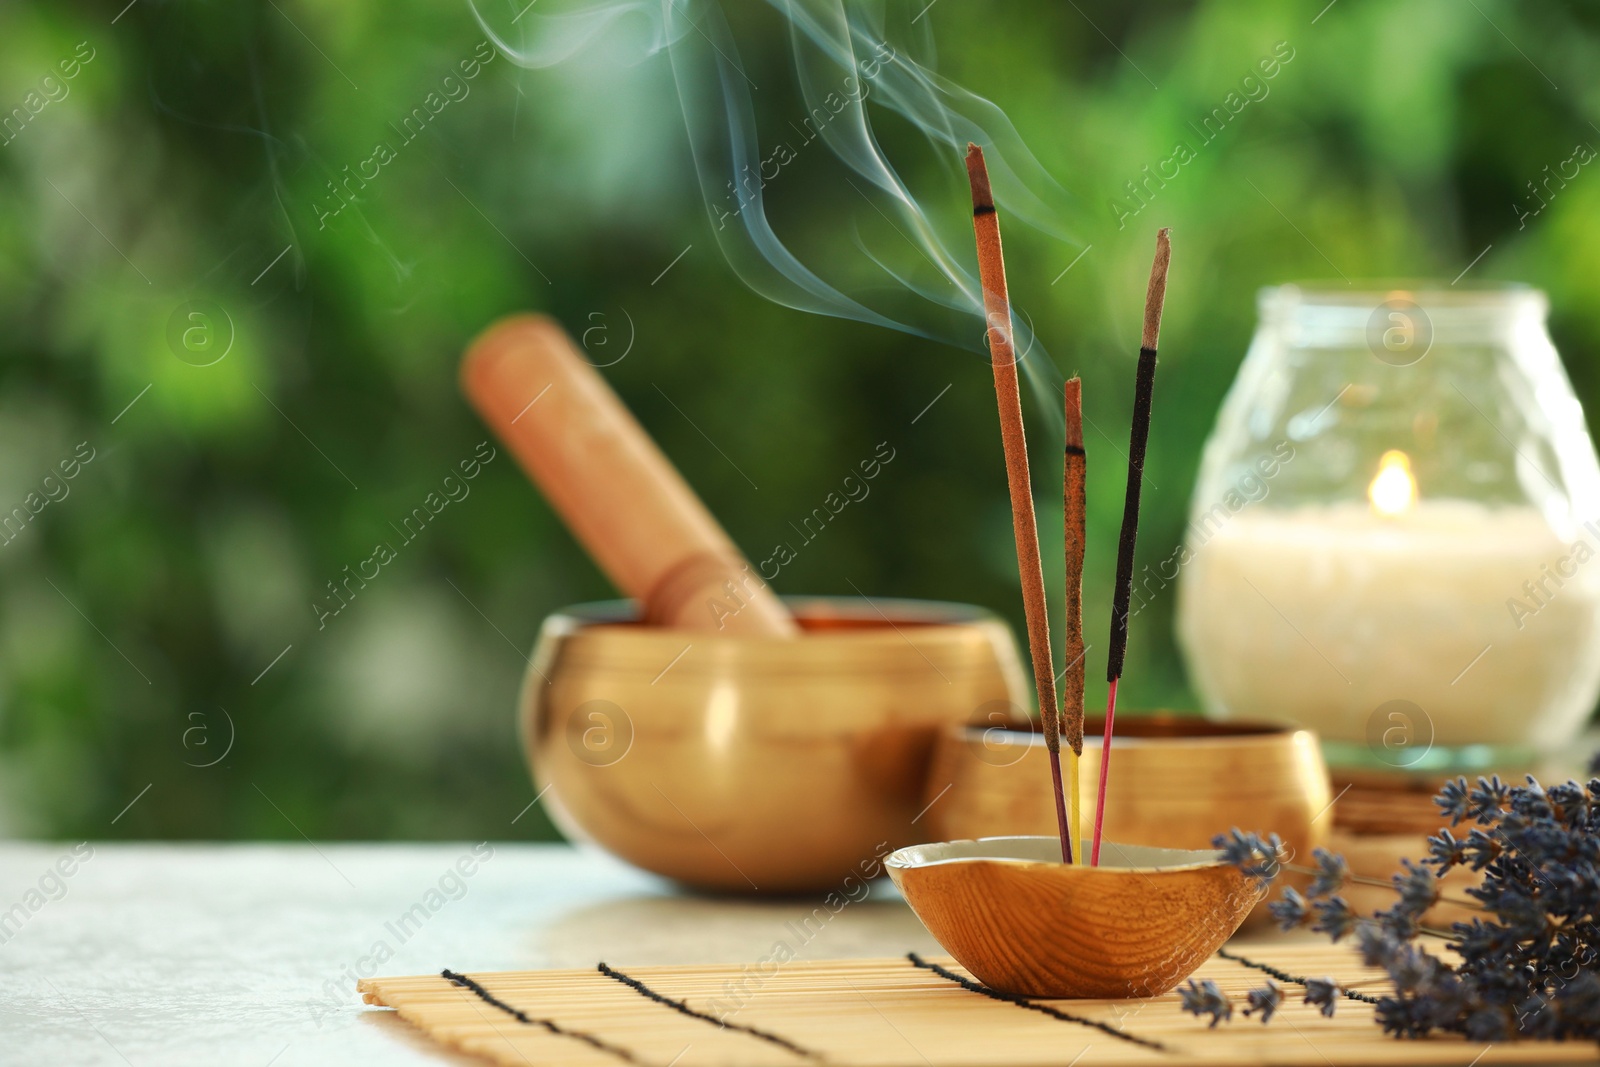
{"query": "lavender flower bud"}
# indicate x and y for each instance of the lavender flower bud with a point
(1206, 998)
(1324, 993)
(1332, 871)
(1265, 1000)
(1291, 910)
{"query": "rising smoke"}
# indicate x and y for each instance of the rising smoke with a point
(864, 73)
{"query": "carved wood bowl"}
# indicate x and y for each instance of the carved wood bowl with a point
(1023, 922)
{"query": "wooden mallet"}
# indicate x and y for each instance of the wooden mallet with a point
(622, 498)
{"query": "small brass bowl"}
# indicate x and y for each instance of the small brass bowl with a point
(1023, 922)
(1177, 781)
(752, 764)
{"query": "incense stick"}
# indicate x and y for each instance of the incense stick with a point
(1074, 508)
(1002, 356)
(1138, 437)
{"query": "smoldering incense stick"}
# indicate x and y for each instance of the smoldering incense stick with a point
(1074, 508)
(1122, 592)
(1002, 356)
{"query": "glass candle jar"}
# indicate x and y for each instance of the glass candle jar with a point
(1394, 537)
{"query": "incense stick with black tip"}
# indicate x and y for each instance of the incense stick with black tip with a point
(1074, 512)
(1122, 592)
(1002, 357)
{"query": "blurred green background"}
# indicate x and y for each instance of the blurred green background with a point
(164, 604)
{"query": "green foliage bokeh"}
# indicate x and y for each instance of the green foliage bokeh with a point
(183, 168)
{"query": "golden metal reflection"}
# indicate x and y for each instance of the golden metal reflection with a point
(755, 764)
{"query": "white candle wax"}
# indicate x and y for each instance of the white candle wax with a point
(1482, 617)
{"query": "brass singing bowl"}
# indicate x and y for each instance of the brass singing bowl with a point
(1177, 781)
(755, 764)
(1023, 922)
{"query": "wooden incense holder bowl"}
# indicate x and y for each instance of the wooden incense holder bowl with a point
(756, 764)
(1023, 922)
(1177, 781)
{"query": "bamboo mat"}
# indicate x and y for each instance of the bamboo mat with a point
(903, 1012)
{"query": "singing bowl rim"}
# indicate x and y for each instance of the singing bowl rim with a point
(1026, 851)
(845, 637)
(1239, 733)
(861, 615)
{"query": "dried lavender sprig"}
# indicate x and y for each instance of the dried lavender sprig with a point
(1284, 976)
(1332, 872)
(1530, 967)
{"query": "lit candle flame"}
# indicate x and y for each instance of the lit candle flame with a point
(1393, 491)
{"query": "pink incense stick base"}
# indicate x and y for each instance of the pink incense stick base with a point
(1105, 773)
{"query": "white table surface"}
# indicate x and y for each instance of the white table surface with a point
(239, 954)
